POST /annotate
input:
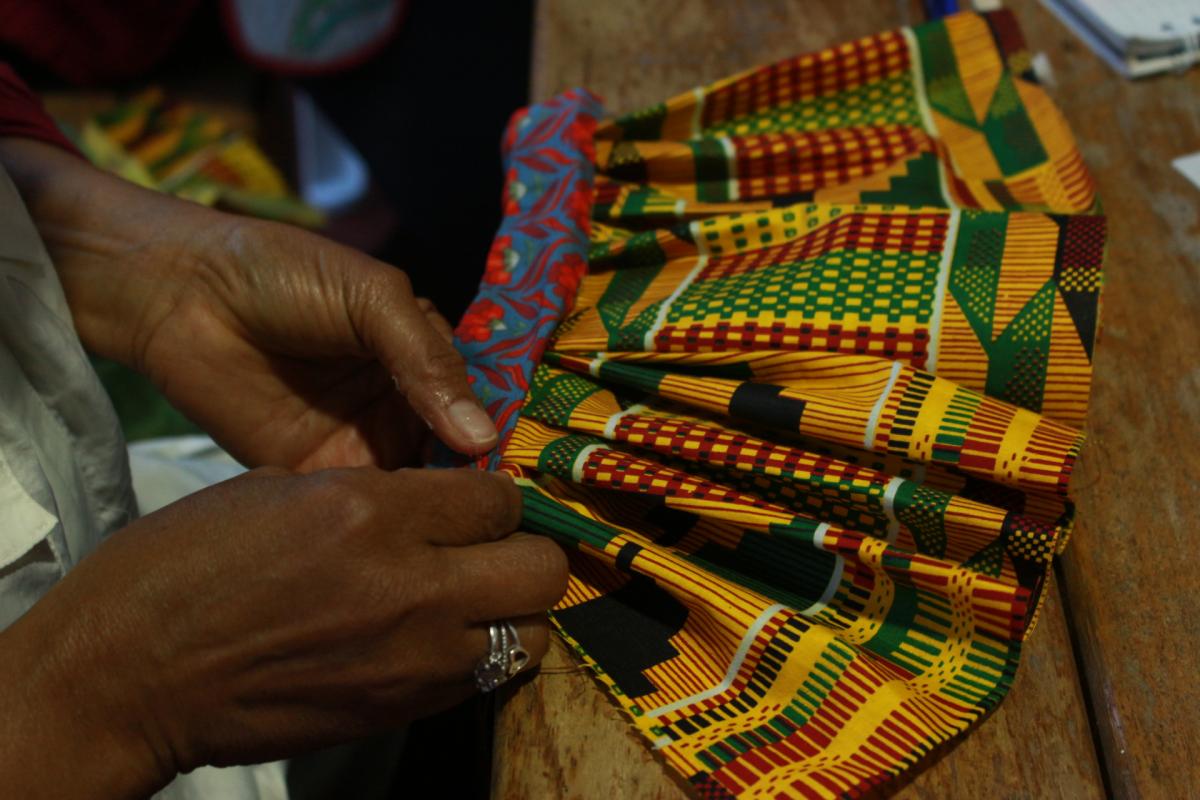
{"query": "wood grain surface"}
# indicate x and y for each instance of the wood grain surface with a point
(559, 736)
(1129, 573)
(1129, 724)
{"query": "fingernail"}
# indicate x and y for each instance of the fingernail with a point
(473, 421)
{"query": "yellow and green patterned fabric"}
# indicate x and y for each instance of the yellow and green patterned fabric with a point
(808, 427)
(160, 143)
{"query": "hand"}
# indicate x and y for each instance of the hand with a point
(287, 348)
(263, 617)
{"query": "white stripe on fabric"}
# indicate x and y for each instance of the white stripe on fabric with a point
(877, 409)
(889, 508)
(610, 427)
(731, 185)
(698, 94)
(660, 319)
(943, 284)
(581, 459)
(734, 666)
(835, 578)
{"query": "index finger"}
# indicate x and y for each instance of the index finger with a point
(425, 366)
(457, 507)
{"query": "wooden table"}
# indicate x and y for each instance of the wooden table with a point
(1105, 702)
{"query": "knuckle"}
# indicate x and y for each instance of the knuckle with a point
(478, 503)
(438, 497)
(401, 283)
(345, 497)
(497, 502)
(441, 362)
(432, 582)
(401, 591)
(379, 600)
(548, 564)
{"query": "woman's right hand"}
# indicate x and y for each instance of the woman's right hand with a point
(263, 617)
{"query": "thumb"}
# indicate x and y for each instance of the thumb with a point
(424, 364)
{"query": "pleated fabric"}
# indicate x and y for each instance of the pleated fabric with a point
(806, 424)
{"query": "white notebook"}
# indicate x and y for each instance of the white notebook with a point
(1136, 37)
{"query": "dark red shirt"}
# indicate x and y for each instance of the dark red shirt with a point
(21, 113)
(91, 42)
(84, 42)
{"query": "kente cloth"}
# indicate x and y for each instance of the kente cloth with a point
(161, 143)
(808, 416)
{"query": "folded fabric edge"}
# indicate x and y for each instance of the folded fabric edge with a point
(537, 259)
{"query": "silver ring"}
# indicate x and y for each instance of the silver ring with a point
(505, 657)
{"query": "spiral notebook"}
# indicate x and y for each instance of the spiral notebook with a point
(1136, 38)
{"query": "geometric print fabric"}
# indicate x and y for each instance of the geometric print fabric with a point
(808, 427)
